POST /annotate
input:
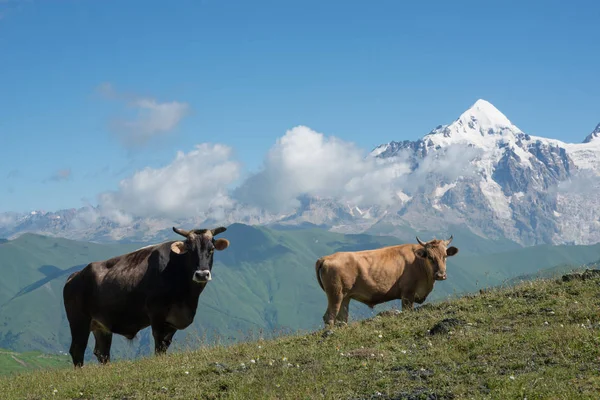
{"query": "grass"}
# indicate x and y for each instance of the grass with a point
(11, 361)
(539, 340)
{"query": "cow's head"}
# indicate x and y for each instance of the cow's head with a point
(436, 251)
(199, 245)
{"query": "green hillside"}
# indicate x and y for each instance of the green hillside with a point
(263, 284)
(12, 362)
(34, 268)
(538, 340)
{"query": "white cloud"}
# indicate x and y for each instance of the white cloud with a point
(582, 182)
(301, 163)
(305, 162)
(443, 165)
(151, 118)
(192, 184)
(7, 219)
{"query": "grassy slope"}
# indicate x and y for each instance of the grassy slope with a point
(537, 340)
(12, 362)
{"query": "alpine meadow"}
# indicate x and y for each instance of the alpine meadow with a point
(299, 200)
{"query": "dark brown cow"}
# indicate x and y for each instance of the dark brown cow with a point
(155, 286)
(372, 277)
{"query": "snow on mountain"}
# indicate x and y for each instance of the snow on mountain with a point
(594, 136)
(480, 170)
(516, 191)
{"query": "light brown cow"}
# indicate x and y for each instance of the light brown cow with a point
(406, 271)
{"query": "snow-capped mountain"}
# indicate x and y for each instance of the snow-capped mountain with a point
(520, 186)
(480, 170)
(594, 136)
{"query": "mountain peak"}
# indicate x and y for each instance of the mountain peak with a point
(487, 116)
(595, 135)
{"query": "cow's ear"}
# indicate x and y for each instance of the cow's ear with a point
(421, 253)
(221, 244)
(178, 247)
(451, 251)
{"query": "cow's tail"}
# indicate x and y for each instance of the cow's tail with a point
(318, 266)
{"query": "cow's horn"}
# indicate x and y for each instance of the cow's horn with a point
(218, 230)
(449, 240)
(181, 232)
(421, 242)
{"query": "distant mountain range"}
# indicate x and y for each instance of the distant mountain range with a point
(480, 172)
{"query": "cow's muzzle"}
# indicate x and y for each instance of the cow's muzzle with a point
(440, 277)
(202, 276)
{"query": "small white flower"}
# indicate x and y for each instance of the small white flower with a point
(54, 392)
(403, 351)
(562, 326)
(372, 355)
(380, 336)
(512, 378)
(259, 346)
(545, 322)
(271, 362)
(253, 361)
(187, 372)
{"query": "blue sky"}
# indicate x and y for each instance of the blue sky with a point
(240, 73)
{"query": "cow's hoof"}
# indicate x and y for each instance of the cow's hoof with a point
(327, 333)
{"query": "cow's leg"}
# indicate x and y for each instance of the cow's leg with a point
(342, 317)
(163, 335)
(333, 308)
(80, 334)
(407, 304)
(102, 347)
